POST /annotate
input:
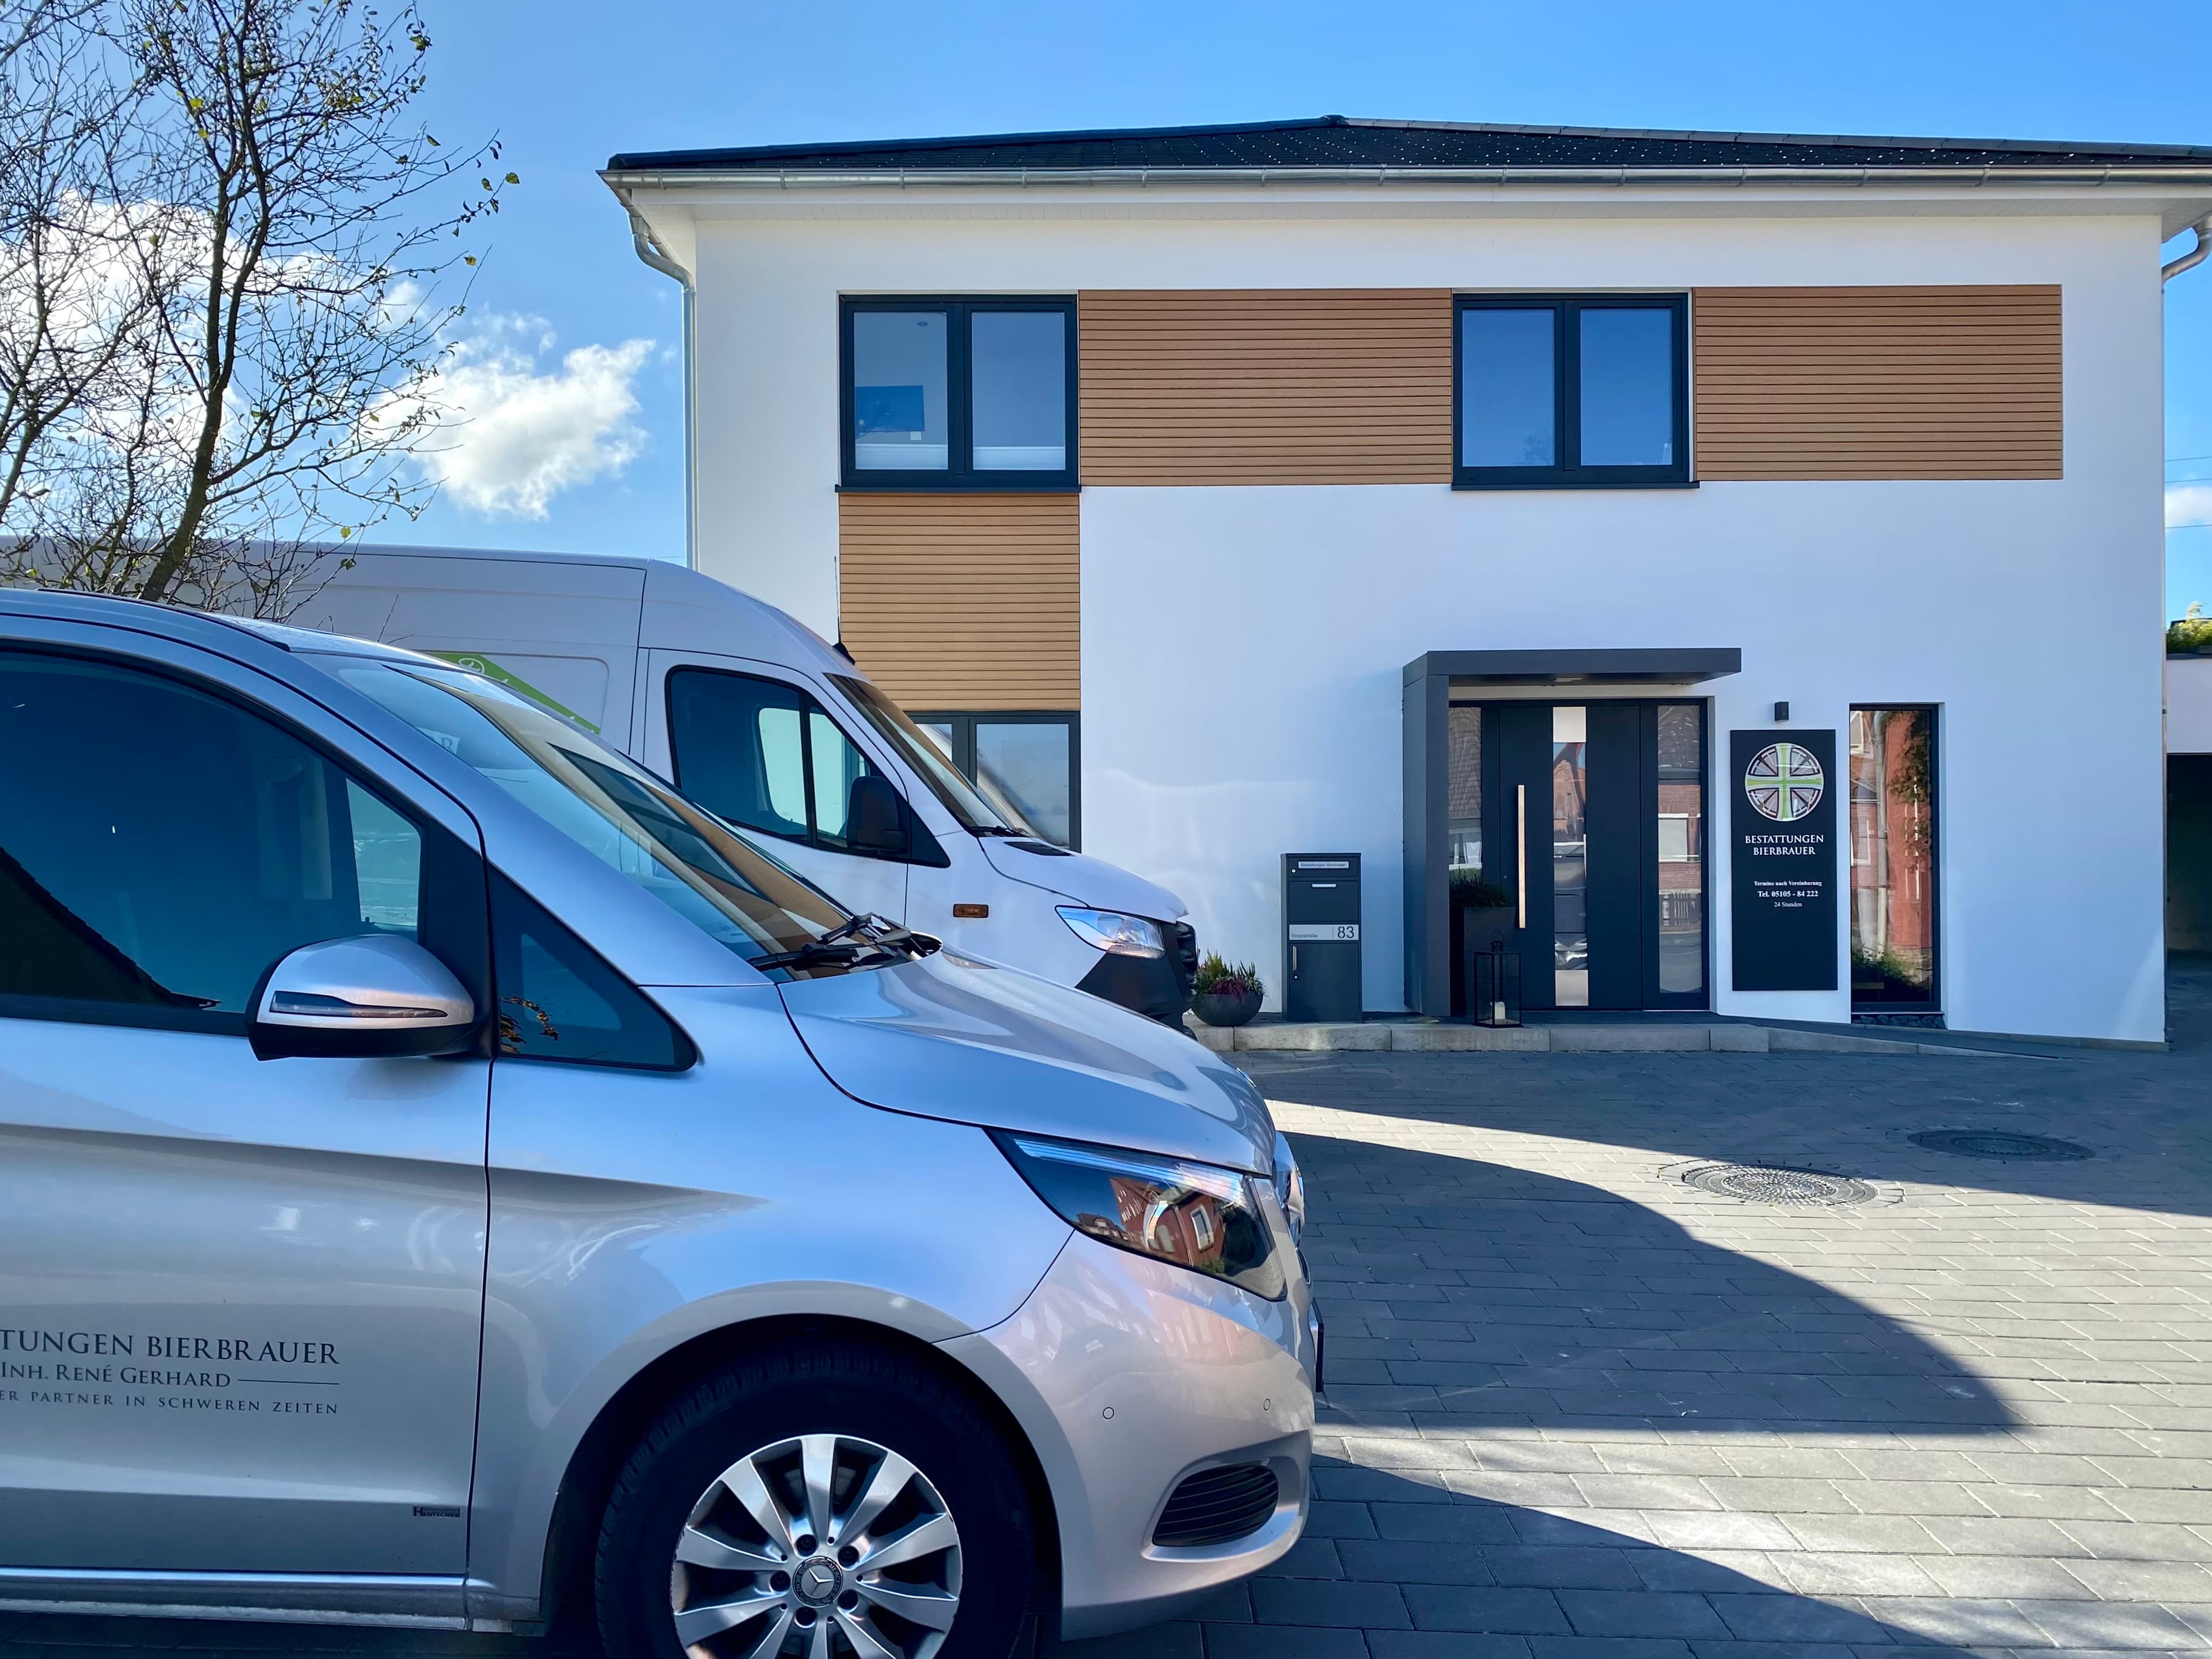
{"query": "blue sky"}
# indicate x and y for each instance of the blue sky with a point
(578, 343)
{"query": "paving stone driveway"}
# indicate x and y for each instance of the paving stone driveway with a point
(1578, 1410)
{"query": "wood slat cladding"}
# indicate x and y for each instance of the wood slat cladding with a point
(1811, 383)
(962, 601)
(1265, 386)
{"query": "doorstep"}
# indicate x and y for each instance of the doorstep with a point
(1428, 1036)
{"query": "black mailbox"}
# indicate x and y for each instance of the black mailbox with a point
(1320, 936)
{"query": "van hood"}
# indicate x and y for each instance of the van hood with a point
(947, 1037)
(1080, 879)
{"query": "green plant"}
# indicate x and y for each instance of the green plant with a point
(1470, 891)
(1893, 969)
(1217, 978)
(2190, 633)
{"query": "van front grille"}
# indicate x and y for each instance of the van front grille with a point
(1183, 949)
(1216, 1505)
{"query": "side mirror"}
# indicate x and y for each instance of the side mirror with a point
(370, 997)
(875, 818)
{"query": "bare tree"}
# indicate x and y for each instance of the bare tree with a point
(272, 241)
(72, 287)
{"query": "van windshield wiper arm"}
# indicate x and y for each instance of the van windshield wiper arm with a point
(866, 935)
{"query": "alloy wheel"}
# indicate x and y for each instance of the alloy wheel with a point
(820, 1546)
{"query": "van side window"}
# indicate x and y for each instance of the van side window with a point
(559, 1001)
(762, 754)
(160, 848)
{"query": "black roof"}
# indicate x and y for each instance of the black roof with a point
(1337, 141)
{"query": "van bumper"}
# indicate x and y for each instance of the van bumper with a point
(1159, 987)
(1130, 1375)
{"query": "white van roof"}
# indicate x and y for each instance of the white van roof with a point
(682, 610)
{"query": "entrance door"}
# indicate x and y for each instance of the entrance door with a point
(1592, 826)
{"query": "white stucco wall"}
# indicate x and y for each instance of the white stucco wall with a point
(1242, 646)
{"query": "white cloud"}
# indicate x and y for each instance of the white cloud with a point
(511, 437)
(2188, 504)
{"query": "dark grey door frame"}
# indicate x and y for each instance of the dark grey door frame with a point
(1427, 684)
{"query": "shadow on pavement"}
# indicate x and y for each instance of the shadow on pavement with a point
(2136, 1110)
(1466, 1294)
(1388, 1552)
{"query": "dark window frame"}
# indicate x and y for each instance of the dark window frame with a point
(1933, 1004)
(1566, 396)
(964, 722)
(922, 847)
(959, 473)
(513, 910)
(453, 887)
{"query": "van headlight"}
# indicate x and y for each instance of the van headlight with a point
(1289, 1187)
(1110, 930)
(1198, 1216)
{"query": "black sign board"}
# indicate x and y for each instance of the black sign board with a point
(1782, 862)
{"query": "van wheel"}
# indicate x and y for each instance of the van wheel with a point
(832, 1500)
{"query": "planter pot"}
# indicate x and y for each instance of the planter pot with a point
(1216, 1010)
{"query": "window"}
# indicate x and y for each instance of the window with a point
(931, 761)
(559, 1001)
(765, 755)
(976, 394)
(1571, 393)
(161, 848)
(1893, 830)
(1028, 766)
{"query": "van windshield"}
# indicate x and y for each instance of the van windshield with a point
(977, 814)
(682, 854)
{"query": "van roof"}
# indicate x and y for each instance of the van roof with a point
(515, 554)
(675, 598)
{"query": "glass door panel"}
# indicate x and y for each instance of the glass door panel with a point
(1892, 806)
(1570, 792)
(1680, 841)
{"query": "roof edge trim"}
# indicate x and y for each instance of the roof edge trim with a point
(2199, 175)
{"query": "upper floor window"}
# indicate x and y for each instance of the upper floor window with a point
(970, 394)
(1558, 393)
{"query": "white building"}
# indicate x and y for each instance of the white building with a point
(1466, 498)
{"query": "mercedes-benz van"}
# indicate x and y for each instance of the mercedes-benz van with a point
(761, 721)
(445, 1173)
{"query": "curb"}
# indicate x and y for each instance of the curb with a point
(1429, 1038)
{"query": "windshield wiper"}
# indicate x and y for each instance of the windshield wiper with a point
(863, 935)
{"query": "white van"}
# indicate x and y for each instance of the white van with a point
(755, 716)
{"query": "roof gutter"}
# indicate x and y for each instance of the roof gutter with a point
(650, 251)
(906, 178)
(2195, 256)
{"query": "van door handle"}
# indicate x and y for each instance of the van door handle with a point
(1520, 852)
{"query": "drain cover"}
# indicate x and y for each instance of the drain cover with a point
(1793, 1189)
(2000, 1143)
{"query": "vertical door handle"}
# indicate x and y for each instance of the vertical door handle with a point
(1521, 851)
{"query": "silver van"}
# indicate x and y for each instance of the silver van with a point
(449, 1178)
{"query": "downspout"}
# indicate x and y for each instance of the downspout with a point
(648, 250)
(2195, 256)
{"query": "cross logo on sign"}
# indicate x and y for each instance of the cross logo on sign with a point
(1784, 782)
